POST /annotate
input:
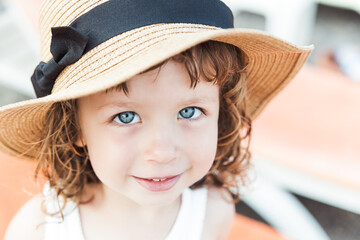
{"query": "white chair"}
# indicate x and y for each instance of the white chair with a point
(291, 20)
(279, 208)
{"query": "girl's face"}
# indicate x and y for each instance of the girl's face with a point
(152, 143)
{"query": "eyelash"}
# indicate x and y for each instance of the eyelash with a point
(189, 119)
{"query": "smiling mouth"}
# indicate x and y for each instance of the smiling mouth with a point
(159, 183)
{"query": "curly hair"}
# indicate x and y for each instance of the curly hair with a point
(67, 167)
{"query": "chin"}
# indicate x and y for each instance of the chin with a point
(158, 199)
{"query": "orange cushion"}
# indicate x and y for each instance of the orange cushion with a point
(314, 127)
(245, 228)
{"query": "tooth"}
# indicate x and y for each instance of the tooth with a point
(158, 179)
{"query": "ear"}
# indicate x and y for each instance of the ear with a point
(80, 141)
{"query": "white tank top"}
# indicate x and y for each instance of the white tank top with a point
(188, 224)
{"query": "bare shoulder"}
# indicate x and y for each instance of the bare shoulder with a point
(26, 224)
(219, 215)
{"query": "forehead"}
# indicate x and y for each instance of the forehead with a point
(193, 68)
(169, 83)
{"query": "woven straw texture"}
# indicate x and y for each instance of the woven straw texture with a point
(272, 64)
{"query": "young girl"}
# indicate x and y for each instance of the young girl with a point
(143, 117)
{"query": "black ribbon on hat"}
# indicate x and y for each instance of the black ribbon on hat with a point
(67, 46)
(114, 17)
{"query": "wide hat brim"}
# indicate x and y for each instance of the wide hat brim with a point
(272, 63)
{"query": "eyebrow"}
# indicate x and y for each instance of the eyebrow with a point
(116, 104)
(199, 99)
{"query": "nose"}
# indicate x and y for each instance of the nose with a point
(160, 143)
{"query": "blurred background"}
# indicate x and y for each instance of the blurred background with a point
(305, 145)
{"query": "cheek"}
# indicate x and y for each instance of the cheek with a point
(202, 145)
(110, 153)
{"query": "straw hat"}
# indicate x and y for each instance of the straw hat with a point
(98, 44)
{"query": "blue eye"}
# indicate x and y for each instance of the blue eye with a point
(127, 118)
(189, 113)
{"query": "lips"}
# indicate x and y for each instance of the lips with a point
(158, 184)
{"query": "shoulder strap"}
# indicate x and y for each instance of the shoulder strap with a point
(55, 228)
(190, 219)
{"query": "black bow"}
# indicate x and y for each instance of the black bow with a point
(67, 47)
